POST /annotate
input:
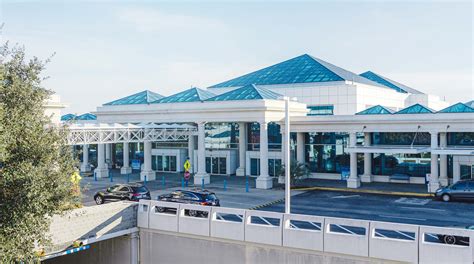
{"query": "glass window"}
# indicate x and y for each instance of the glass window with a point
(222, 135)
(255, 167)
(166, 164)
(223, 165)
(320, 110)
(172, 163)
(159, 162)
(405, 138)
(460, 185)
(415, 165)
(208, 165)
(253, 136)
(466, 172)
(461, 139)
(123, 189)
(215, 166)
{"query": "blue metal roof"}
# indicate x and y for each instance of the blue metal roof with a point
(190, 95)
(248, 92)
(401, 88)
(457, 108)
(68, 117)
(415, 109)
(144, 97)
(302, 69)
(375, 110)
(470, 104)
(86, 116)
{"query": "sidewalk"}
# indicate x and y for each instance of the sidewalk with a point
(403, 189)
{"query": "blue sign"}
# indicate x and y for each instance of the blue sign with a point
(345, 173)
(136, 164)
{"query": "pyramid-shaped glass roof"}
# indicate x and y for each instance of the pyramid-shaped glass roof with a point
(302, 69)
(470, 104)
(457, 108)
(248, 92)
(68, 117)
(401, 88)
(86, 116)
(415, 109)
(375, 110)
(144, 97)
(190, 95)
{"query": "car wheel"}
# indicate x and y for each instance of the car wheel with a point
(450, 240)
(193, 213)
(446, 198)
(99, 200)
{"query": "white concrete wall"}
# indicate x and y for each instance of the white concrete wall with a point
(179, 153)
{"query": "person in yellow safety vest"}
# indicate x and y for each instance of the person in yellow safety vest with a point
(187, 175)
(76, 180)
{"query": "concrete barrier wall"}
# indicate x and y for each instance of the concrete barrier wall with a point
(366, 239)
(307, 236)
(394, 241)
(346, 236)
(163, 216)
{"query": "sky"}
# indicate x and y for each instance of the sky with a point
(105, 50)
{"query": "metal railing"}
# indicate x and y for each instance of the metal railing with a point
(381, 240)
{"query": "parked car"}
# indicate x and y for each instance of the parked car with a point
(130, 192)
(461, 190)
(199, 197)
(456, 240)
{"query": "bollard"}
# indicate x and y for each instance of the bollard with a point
(225, 185)
(246, 185)
(128, 178)
(111, 177)
(163, 183)
(95, 176)
(202, 183)
(182, 183)
(144, 182)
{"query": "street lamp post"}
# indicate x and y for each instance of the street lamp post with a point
(287, 156)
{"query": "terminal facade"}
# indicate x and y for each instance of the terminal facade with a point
(361, 127)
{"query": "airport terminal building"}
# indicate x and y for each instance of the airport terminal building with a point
(357, 127)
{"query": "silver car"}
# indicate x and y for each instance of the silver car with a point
(461, 190)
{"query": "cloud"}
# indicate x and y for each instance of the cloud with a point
(152, 20)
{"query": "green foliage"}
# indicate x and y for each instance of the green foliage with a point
(35, 162)
(298, 171)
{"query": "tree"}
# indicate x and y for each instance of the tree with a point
(35, 162)
(298, 171)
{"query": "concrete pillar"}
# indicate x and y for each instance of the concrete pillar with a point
(101, 171)
(354, 180)
(242, 149)
(264, 181)
(85, 166)
(367, 177)
(434, 181)
(108, 155)
(191, 144)
(147, 171)
(300, 147)
(201, 174)
(126, 169)
(134, 248)
(443, 159)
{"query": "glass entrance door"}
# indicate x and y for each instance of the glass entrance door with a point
(216, 165)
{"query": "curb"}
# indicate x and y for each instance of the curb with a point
(364, 191)
(267, 204)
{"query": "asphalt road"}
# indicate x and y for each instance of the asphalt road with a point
(386, 208)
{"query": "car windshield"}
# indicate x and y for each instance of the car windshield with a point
(139, 189)
(211, 196)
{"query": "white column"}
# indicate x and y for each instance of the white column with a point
(134, 248)
(201, 174)
(150, 174)
(367, 176)
(108, 155)
(354, 180)
(191, 153)
(242, 149)
(85, 166)
(264, 181)
(300, 147)
(443, 159)
(434, 181)
(126, 169)
(101, 171)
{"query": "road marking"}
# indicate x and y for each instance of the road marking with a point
(345, 196)
(402, 217)
(412, 201)
(421, 208)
